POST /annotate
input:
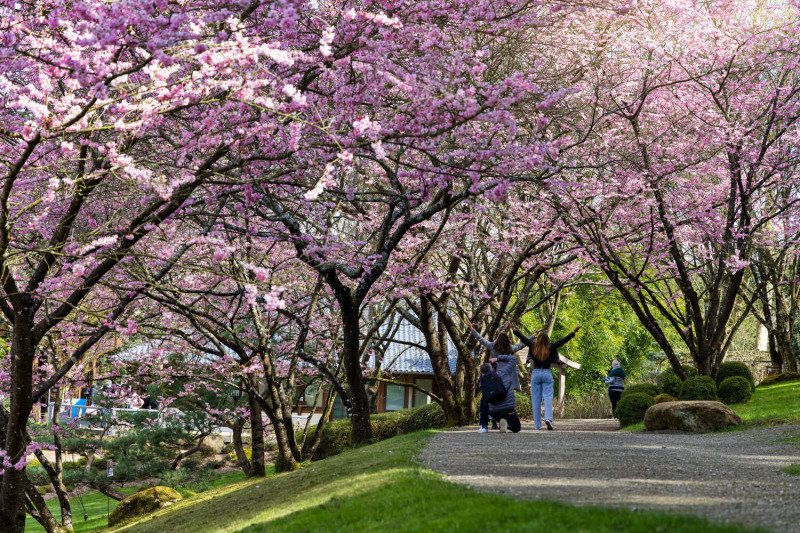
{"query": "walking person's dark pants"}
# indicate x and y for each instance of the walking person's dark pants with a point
(614, 395)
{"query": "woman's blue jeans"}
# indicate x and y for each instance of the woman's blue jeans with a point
(541, 387)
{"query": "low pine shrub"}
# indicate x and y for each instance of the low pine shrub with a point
(735, 389)
(632, 407)
(670, 383)
(735, 368)
(699, 388)
(779, 378)
(642, 388)
(664, 397)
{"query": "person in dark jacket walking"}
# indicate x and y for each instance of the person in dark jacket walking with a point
(542, 354)
(616, 384)
(503, 409)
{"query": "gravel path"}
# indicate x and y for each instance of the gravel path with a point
(726, 477)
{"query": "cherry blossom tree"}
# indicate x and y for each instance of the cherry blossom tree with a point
(681, 134)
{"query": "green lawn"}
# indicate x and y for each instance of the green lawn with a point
(773, 405)
(380, 487)
(97, 505)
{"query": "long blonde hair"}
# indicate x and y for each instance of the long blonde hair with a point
(541, 347)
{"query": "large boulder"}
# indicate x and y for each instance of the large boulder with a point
(141, 503)
(697, 417)
(214, 443)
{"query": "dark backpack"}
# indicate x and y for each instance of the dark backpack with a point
(492, 387)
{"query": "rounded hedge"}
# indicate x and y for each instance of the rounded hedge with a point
(699, 388)
(735, 368)
(669, 382)
(664, 397)
(779, 378)
(632, 407)
(642, 388)
(735, 389)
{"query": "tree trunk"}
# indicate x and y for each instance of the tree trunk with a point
(12, 489)
(41, 513)
(183, 455)
(238, 448)
(257, 466)
(359, 416)
(437, 352)
(109, 491)
(56, 480)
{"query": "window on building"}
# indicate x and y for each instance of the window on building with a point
(394, 397)
(420, 398)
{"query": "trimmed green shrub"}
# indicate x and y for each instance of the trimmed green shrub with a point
(642, 388)
(524, 409)
(691, 371)
(632, 407)
(779, 378)
(670, 383)
(336, 435)
(664, 397)
(699, 388)
(735, 368)
(735, 389)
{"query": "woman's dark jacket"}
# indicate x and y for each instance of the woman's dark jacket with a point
(554, 346)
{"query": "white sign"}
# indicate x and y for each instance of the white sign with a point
(110, 468)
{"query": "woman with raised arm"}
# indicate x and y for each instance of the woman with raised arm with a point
(500, 346)
(543, 354)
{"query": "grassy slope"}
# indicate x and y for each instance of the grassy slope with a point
(380, 487)
(96, 506)
(772, 405)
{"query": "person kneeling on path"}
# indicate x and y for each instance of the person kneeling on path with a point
(497, 388)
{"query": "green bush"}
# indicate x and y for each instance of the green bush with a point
(690, 371)
(735, 389)
(664, 397)
(632, 407)
(670, 383)
(524, 409)
(336, 435)
(735, 368)
(779, 378)
(642, 388)
(699, 388)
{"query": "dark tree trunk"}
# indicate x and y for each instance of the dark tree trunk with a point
(238, 448)
(12, 489)
(40, 512)
(437, 353)
(257, 466)
(108, 490)
(359, 416)
(56, 480)
(183, 455)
